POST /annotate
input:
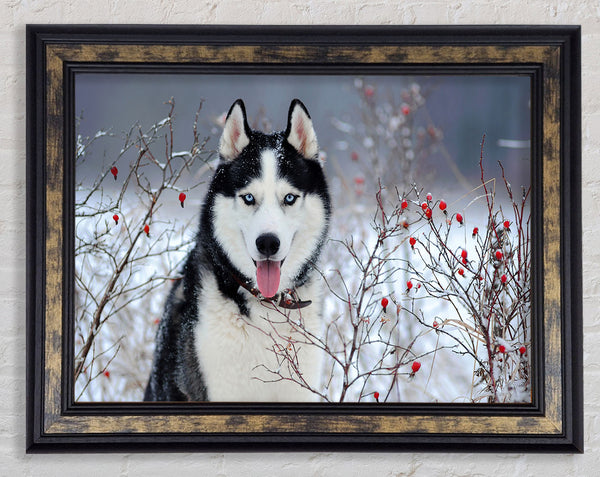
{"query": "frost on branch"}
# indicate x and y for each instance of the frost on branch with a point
(466, 304)
(483, 272)
(129, 244)
(455, 271)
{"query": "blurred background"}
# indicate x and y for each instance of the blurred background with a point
(463, 108)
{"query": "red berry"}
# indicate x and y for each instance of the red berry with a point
(156, 321)
(435, 324)
(384, 303)
(502, 349)
(359, 185)
(443, 205)
(405, 110)
(182, 197)
(409, 285)
(412, 241)
(461, 271)
(429, 197)
(404, 204)
(459, 218)
(428, 212)
(424, 206)
(463, 254)
(503, 279)
(416, 366)
(369, 91)
(522, 350)
(114, 171)
(475, 231)
(106, 373)
(354, 156)
(506, 224)
(464, 261)
(499, 255)
(147, 229)
(116, 219)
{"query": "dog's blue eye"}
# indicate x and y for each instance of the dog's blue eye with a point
(248, 199)
(290, 199)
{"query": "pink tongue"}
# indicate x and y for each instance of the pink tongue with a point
(267, 277)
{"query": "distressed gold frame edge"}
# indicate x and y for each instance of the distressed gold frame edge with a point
(56, 423)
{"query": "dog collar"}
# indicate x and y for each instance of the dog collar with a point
(288, 299)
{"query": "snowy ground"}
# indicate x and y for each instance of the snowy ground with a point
(124, 346)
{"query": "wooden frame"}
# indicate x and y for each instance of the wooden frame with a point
(550, 56)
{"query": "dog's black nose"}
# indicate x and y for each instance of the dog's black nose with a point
(267, 244)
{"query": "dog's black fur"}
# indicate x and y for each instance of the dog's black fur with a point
(176, 373)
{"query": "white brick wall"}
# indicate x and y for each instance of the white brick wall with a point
(14, 14)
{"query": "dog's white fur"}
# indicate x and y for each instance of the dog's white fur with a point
(298, 227)
(236, 352)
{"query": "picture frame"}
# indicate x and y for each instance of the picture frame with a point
(548, 55)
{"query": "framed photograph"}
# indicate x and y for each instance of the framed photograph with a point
(294, 238)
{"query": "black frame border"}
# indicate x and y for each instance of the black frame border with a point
(567, 38)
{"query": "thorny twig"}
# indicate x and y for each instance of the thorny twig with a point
(109, 254)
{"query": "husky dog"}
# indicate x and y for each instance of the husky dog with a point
(263, 223)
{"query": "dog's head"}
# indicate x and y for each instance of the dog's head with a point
(270, 208)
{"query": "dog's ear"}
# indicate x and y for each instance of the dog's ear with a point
(300, 133)
(236, 132)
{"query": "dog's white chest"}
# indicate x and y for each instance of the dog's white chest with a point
(238, 354)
